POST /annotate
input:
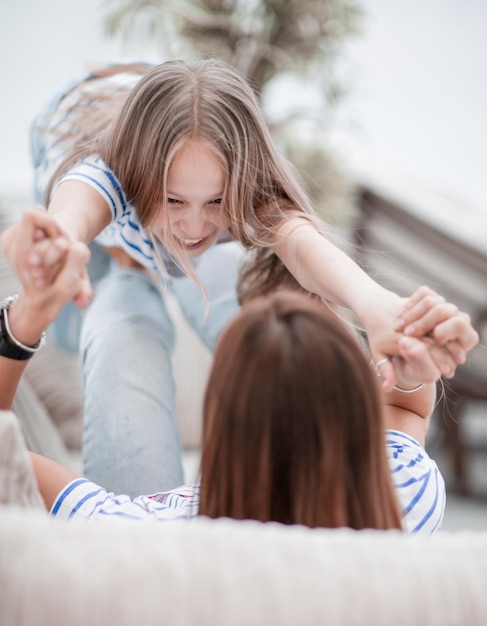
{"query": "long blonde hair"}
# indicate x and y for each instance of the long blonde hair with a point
(211, 102)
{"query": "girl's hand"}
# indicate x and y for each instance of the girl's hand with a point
(426, 313)
(35, 241)
(47, 245)
(447, 337)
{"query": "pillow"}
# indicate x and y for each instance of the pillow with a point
(18, 485)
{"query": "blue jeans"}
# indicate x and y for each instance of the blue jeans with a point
(131, 438)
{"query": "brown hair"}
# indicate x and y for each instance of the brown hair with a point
(293, 427)
(212, 102)
(92, 105)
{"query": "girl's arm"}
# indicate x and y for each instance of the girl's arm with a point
(322, 268)
(80, 211)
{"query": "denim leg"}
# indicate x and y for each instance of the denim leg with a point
(217, 270)
(66, 328)
(131, 437)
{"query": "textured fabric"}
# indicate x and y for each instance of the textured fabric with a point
(224, 572)
(17, 483)
(417, 481)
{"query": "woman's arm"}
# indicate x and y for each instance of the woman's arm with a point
(37, 306)
(424, 360)
(409, 411)
(51, 478)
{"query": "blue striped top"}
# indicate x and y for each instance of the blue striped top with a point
(51, 139)
(418, 483)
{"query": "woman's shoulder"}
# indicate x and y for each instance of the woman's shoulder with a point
(417, 481)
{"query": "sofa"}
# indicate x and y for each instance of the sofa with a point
(222, 572)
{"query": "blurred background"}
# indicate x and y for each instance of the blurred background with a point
(381, 105)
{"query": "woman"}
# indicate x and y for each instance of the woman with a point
(294, 419)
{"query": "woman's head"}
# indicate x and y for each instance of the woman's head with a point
(207, 102)
(293, 429)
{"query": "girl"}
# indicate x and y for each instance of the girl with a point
(293, 417)
(159, 165)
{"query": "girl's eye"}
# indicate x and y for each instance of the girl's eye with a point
(173, 201)
(216, 201)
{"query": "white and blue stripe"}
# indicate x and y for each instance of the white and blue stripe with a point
(52, 140)
(82, 498)
(418, 483)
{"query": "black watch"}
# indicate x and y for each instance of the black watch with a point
(10, 347)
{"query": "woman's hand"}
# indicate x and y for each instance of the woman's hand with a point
(425, 313)
(37, 249)
(39, 303)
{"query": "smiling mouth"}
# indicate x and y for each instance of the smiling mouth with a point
(190, 244)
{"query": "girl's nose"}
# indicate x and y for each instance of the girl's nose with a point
(193, 223)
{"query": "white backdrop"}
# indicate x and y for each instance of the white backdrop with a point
(419, 92)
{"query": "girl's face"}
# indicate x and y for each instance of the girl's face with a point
(195, 187)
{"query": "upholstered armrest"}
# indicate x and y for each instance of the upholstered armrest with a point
(224, 572)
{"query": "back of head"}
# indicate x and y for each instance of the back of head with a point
(292, 422)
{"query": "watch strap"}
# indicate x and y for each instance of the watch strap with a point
(10, 347)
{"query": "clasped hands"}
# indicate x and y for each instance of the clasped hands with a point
(430, 339)
(51, 269)
(422, 337)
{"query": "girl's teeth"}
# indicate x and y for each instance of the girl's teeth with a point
(190, 242)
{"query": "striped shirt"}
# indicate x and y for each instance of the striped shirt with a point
(51, 138)
(418, 483)
(82, 498)
(125, 230)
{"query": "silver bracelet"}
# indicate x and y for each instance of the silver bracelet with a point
(396, 388)
(420, 386)
(5, 306)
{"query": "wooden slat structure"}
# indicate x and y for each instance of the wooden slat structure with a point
(402, 251)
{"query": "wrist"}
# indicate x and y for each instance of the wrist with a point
(375, 306)
(11, 346)
(28, 317)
